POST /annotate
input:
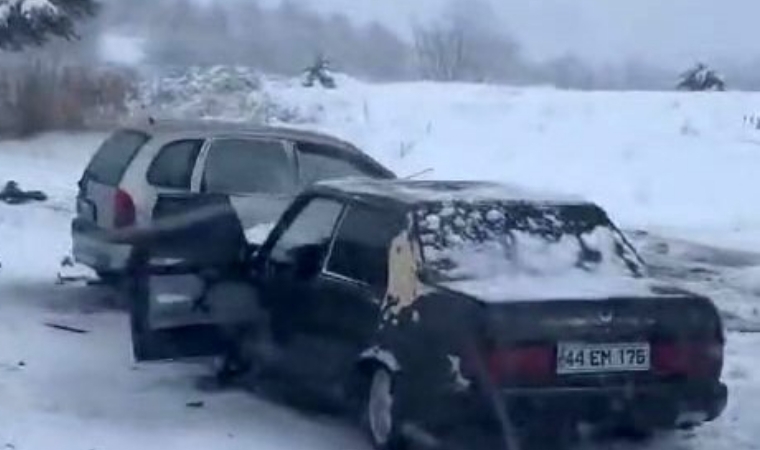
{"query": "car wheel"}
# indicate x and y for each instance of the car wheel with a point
(380, 411)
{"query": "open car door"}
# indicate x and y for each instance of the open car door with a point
(190, 286)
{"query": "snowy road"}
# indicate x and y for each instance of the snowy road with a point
(68, 391)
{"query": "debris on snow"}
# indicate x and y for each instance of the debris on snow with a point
(14, 195)
(66, 328)
(71, 272)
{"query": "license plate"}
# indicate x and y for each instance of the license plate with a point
(573, 358)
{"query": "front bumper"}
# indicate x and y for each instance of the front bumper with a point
(654, 405)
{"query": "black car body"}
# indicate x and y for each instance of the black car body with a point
(480, 302)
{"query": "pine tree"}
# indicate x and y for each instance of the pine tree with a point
(701, 78)
(30, 23)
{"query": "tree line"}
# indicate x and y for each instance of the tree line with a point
(466, 43)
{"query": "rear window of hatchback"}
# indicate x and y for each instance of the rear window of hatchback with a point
(113, 157)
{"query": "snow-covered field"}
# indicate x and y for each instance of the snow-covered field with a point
(686, 163)
(678, 165)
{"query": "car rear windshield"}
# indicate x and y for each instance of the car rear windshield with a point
(112, 158)
(468, 241)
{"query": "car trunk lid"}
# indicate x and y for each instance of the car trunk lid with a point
(601, 342)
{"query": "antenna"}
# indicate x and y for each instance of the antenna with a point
(418, 174)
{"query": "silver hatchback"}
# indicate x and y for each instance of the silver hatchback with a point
(260, 168)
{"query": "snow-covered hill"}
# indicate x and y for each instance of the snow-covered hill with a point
(688, 162)
(685, 164)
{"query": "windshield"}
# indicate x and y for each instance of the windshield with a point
(466, 241)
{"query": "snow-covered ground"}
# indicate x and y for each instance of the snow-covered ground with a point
(678, 165)
(684, 163)
(78, 391)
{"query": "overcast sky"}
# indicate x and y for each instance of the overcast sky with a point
(669, 32)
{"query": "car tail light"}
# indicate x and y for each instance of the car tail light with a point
(691, 359)
(520, 364)
(124, 210)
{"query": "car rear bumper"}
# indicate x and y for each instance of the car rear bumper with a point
(655, 405)
(92, 248)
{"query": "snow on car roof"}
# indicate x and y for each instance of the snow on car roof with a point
(419, 191)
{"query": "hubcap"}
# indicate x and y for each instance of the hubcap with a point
(380, 407)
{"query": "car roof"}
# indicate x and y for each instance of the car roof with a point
(175, 129)
(218, 128)
(407, 193)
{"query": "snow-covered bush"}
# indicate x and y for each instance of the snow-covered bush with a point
(218, 92)
(38, 96)
(319, 72)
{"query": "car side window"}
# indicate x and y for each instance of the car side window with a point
(244, 166)
(173, 166)
(321, 162)
(312, 227)
(361, 247)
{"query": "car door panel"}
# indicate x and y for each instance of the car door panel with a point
(176, 300)
(340, 312)
(290, 293)
(345, 321)
(174, 296)
(323, 331)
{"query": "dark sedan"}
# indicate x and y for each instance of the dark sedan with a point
(421, 305)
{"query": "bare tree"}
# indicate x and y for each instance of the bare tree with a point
(469, 44)
(440, 51)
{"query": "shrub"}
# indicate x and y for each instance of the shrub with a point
(37, 97)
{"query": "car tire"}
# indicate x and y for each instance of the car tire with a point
(380, 416)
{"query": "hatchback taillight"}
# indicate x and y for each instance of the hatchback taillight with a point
(690, 359)
(124, 210)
